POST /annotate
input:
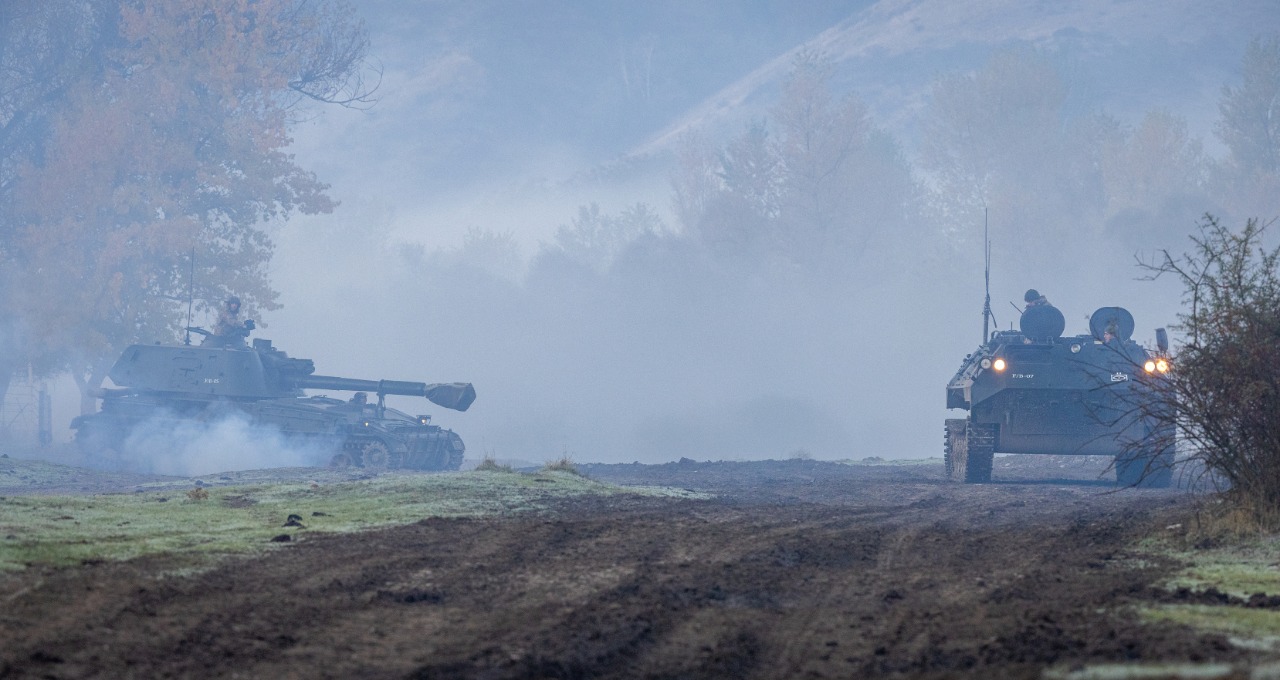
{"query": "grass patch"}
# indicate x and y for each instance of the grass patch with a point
(1217, 556)
(489, 464)
(1258, 628)
(1239, 564)
(238, 519)
(1162, 671)
(561, 464)
(1239, 572)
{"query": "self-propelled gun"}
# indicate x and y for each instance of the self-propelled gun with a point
(163, 387)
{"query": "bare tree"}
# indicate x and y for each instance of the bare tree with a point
(596, 239)
(1223, 393)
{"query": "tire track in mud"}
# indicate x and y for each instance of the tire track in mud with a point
(797, 570)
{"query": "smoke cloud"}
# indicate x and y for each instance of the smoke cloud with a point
(167, 445)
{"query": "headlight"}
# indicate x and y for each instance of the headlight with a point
(998, 364)
(1075, 348)
(1162, 366)
(985, 363)
(1150, 366)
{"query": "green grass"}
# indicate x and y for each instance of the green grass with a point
(1257, 625)
(1160, 671)
(1239, 573)
(1241, 568)
(68, 530)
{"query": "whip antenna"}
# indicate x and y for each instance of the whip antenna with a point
(191, 294)
(987, 314)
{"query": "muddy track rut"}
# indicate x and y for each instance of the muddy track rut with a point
(796, 569)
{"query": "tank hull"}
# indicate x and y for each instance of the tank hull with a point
(1075, 395)
(335, 432)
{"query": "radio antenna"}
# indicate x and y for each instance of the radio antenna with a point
(987, 314)
(191, 294)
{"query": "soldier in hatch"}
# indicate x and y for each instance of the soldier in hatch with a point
(229, 322)
(1109, 334)
(1033, 298)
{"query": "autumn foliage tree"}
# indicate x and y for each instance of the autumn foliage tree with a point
(44, 48)
(1154, 176)
(163, 166)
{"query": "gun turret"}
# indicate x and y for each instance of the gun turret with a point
(260, 372)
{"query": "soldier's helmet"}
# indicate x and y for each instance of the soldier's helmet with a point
(1031, 296)
(233, 300)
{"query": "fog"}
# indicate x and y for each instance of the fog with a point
(669, 351)
(496, 124)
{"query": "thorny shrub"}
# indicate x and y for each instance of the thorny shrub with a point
(1223, 393)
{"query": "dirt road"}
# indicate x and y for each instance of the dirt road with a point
(796, 569)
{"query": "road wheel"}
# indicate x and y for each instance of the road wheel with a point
(981, 440)
(955, 448)
(376, 456)
(341, 459)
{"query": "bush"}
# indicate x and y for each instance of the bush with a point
(490, 464)
(1223, 394)
(562, 464)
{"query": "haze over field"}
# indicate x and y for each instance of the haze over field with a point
(751, 322)
(486, 130)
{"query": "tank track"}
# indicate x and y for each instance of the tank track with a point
(981, 440)
(955, 448)
(442, 450)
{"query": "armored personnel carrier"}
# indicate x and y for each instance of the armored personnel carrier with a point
(1033, 390)
(164, 386)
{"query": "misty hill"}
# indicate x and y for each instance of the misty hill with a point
(487, 96)
(1121, 57)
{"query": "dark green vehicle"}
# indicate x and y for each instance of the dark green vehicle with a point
(164, 387)
(1035, 391)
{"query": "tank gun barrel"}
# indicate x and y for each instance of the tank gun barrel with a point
(456, 396)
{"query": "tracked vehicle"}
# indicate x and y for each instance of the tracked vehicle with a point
(166, 387)
(1035, 391)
